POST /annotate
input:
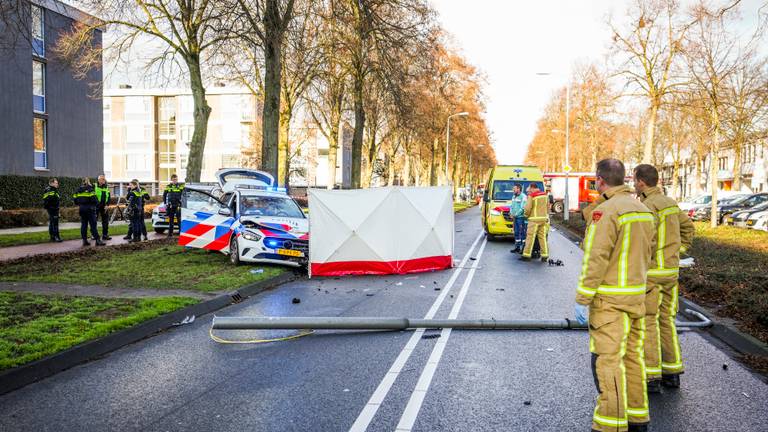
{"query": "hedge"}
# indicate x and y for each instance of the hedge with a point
(17, 192)
(32, 217)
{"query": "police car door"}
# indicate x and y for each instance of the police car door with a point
(206, 222)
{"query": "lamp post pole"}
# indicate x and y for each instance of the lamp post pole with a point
(567, 207)
(448, 142)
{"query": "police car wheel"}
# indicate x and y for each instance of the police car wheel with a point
(234, 251)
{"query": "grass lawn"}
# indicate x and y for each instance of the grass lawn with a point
(459, 206)
(730, 275)
(33, 326)
(7, 240)
(156, 265)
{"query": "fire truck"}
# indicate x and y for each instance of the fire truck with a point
(581, 189)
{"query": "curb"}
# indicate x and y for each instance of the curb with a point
(16, 378)
(729, 334)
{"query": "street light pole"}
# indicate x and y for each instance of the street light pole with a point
(448, 142)
(567, 207)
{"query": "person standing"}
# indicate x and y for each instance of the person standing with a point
(144, 200)
(516, 210)
(51, 201)
(611, 295)
(538, 222)
(85, 198)
(134, 209)
(172, 200)
(674, 234)
(102, 196)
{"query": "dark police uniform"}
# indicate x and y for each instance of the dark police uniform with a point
(136, 206)
(51, 200)
(85, 198)
(102, 196)
(172, 200)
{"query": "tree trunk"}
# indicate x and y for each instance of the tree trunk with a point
(737, 164)
(284, 148)
(201, 113)
(713, 169)
(333, 149)
(357, 137)
(391, 170)
(406, 169)
(271, 111)
(698, 166)
(650, 130)
(432, 165)
(675, 179)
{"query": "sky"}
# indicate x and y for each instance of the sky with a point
(513, 40)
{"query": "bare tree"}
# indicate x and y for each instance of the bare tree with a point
(186, 31)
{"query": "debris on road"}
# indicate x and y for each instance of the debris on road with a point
(369, 295)
(526, 402)
(422, 286)
(437, 289)
(473, 258)
(189, 319)
(550, 349)
(431, 336)
(399, 284)
(745, 394)
(557, 263)
(499, 289)
(257, 271)
(297, 300)
(725, 366)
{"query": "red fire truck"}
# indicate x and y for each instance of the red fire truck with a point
(581, 190)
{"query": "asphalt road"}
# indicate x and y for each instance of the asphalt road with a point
(385, 381)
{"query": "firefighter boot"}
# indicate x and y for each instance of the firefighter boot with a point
(654, 386)
(638, 427)
(671, 381)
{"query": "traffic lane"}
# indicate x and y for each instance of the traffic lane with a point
(160, 376)
(486, 377)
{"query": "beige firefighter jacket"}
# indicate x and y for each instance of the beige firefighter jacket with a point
(617, 250)
(536, 208)
(674, 233)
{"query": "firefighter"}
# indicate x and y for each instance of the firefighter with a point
(103, 196)
(134, 207)
(538, 222)
(172, 200)
(611, 293)
(674, 234)
(516, 210)
(85, 198)
(51, 199)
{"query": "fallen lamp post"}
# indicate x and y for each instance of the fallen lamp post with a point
(371, 323)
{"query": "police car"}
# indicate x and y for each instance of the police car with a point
(247, 217)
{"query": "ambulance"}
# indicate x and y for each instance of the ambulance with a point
(495, 205)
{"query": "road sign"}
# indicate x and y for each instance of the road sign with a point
(567, 168)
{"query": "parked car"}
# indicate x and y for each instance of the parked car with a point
(701, 212)
(739, 218)
(250, 220)
(744, 203)
(758, 221)
(703, 200)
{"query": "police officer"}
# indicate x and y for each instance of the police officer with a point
(611, 292)
(172, 200)
(51, 199)
(538, 222)
(516, 209)
(144, 200)
(102, 196)
(85, 198)
(674, 234)
(134, 207)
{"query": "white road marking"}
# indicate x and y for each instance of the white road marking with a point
(370, 409)
(422, 386)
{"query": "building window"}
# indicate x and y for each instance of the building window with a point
(723, 163)
(40, 143)
(38, 86)
(38, 31)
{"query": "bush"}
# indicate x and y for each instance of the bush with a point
(32, 217)
(19, 192)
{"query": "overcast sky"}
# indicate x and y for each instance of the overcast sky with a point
(510, 41)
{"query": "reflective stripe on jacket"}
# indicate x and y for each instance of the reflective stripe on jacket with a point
(102, 194)
(84, 196)
(536, 208)
(617, 250)
(51, 198)
(172, 193)
(674, 233)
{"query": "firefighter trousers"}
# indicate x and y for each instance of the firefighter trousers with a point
(536, 230)
(662, 347)
(616, 335)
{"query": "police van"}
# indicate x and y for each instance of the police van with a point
(246, 217)
(495, 206)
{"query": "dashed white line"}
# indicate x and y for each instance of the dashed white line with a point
(369, 411)
(422, 386)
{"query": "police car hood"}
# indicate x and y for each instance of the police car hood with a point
(277, 226)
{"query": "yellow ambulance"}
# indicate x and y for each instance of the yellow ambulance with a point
(498, 192)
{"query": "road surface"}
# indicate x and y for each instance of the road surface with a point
(385, 381)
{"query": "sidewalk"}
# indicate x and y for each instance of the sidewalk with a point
(15, 252)
(44, 228)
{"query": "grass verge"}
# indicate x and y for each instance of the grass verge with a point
(160, 264)
(7, 240)
(33, 326)
(460, 206)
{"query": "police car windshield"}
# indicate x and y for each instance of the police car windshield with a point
(252, 205)
(503, 189)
